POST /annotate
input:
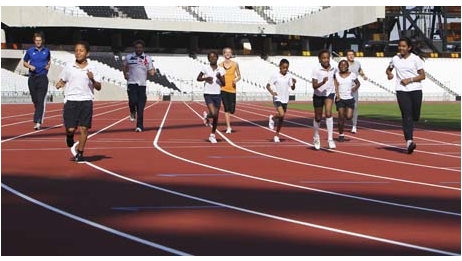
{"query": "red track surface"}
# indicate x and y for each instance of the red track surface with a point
(168, 191)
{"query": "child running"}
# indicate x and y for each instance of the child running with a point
(410, 73)
(80, 79)
(214, 79)
(281, 82)
(323, 97)
(346, 84)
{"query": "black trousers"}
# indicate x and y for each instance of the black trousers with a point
(38, 88)
(409, 104)
(137, 101)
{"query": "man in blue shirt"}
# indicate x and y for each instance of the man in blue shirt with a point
(37, 60)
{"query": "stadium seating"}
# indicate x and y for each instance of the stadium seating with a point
(281, 14)
(168, 13)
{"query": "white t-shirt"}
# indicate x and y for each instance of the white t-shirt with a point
(214, 87)
(281, 85)
(78, 86)
(138, 67)
(319, 73)
(345, 85)
(407, 68)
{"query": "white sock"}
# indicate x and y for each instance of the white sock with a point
(330, 128)
(316, 128)
(408, 142)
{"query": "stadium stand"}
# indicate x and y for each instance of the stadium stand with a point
(100, 11)
(281, 14)
(228, 14)
(169, 13)
(70, 10)
(134, 12)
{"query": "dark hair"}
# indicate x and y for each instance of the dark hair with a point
(212, 52)
(341, 61)
(349, 50)
(283, 61)
(323, 51)
(413, 44)
(39, 34)
(85, 44)
(139, 41)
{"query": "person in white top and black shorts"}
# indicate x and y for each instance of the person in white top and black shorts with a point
(279, 86)
(213, 77)
(323, 96)
(79, 80)
(346, 84)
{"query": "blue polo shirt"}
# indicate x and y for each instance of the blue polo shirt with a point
(39, 59)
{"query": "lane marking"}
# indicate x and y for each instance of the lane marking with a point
(377, 130)
(94, 224)
(343, 182)
(195, 175)
(165, 207)
(324, 167)
(349, 153)
(366, 121)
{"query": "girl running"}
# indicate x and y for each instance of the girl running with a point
(214, 79)
(323, 97)
(346, 84)
(278, 87)
(409, 76)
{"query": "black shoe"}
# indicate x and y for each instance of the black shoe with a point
(69, 141)
(411, 148)
(79, 158)
(341, 138)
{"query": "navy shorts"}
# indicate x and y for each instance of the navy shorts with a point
(350, 103)
(280, 104)
(78, 113)
(213, 98)
(318, 101)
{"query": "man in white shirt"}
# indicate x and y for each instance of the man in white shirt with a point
(136, 67)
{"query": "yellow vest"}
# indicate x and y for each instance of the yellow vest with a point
(230, 75)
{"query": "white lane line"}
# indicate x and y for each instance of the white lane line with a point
(325, 167)
(357, 138)
(433, 250)
(31, 113)
(293, 112)
(54, 116)
(297, 186)
(366, 121)
(59, 125)
(155, 143)
(94, 224)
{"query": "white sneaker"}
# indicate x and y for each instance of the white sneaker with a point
(132, 116)
(212, 138)
(331, 144)
(206, 120)
(271, 122)
(353, 129)
(317, 143)
(138, 129)
(228, 130)
(276, 139)
(74, 149)
(37, 126)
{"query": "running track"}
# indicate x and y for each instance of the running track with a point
(167, 191)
